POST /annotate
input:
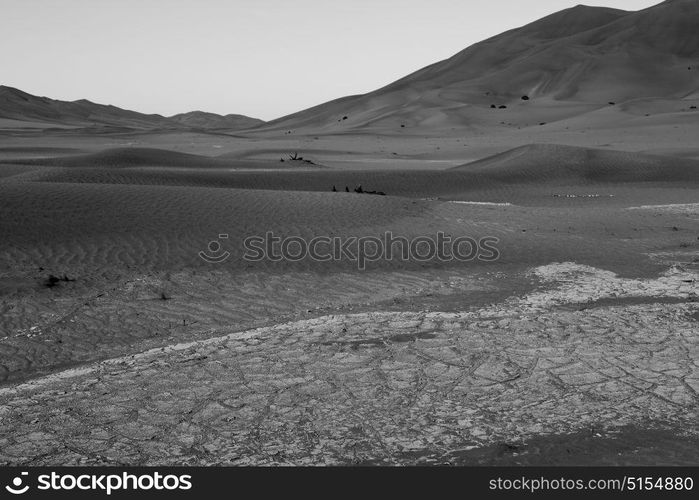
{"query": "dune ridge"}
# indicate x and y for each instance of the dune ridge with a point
(590, 55)
(16, 104)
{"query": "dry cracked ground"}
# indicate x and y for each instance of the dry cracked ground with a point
(587, 354)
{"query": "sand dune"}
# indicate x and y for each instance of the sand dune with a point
(43, 111)
(532, 174)
(20, 105)
(88, 221)
(166, 226)
(546, 163)
(588, 55)
(203, 120)
(151, 157)
(448, 185)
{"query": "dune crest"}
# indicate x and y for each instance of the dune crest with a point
(16, 104)
(588, 55)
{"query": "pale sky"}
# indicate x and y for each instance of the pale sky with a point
(262, 58)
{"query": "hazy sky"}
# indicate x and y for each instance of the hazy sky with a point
(263, 58)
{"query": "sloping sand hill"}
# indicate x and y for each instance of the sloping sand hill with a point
(583, 55)
(544, 163)
(19, 105)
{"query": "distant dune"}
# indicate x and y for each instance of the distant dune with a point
(21, 106)
(569, 64)
(203, 120)
(584, 55)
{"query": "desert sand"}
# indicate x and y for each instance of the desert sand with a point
(119, 344)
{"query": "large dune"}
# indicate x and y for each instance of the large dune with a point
(580, 56)
(568, 65)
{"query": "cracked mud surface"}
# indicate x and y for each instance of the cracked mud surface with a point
(586, 350)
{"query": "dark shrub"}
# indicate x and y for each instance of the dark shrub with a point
(51, 281)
